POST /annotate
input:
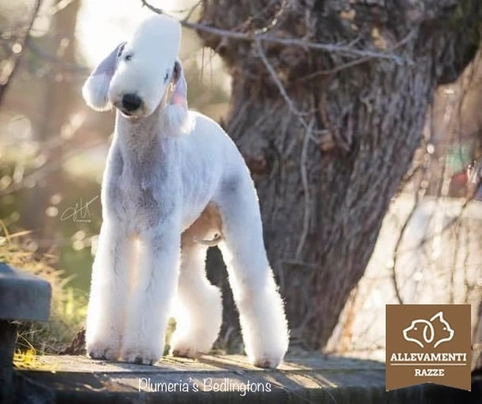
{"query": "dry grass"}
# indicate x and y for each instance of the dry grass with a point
(68, 306)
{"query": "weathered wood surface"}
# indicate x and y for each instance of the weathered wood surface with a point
(305, 379)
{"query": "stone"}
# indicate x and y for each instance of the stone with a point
(23, 296)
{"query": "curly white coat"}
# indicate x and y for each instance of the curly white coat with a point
(173, 178)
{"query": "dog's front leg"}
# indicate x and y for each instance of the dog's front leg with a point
(149, 308)
(109, 290)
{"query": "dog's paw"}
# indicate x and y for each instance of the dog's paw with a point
(141, 355)
(185, 352)
(267, 362)
(191, 345)
(97, 350)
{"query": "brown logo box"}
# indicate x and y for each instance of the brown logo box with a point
(428, 343)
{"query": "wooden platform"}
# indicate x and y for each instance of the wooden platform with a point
(219, 379)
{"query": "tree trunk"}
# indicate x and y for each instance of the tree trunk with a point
(327, 165)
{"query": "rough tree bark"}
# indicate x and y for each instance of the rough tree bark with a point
(324, 184)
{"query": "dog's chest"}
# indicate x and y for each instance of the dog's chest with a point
(138, 197)
(137, 191)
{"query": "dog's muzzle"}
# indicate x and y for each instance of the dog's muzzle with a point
(130, 103)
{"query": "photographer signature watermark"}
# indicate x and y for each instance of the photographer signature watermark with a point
(79, 213)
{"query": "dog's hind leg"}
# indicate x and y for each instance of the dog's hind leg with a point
(263, 322)
(110, 285)
(198, 310)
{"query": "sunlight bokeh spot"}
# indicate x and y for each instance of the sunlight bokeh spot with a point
(51, 211)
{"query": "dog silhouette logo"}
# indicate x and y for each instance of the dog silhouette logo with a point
(427, 332)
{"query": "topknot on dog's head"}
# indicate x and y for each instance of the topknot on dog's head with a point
(161, 30)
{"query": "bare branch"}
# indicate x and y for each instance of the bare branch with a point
(306, 191)
(257, 36)
(278, 83)
(308, 127)
(396, 254)
(191, 11)
(356, 62)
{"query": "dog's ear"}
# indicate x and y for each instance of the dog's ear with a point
(96, 88)
(177, 114)
(179, 96)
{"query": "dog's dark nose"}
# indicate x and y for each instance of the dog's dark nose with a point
(131, 102)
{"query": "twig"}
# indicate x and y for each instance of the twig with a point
(396, 250)
(396, 253)
(356, 62)
(338, 68)
(306, 192)
(274, 21)
(191, 11)
(308, 127)
(278, 83)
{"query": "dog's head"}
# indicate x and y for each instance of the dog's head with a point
(143, 74)
(420, 331)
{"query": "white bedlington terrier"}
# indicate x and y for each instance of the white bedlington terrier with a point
(174, 184)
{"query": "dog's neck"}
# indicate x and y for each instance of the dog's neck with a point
(139, 138)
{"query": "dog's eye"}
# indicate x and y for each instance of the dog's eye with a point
(128, 57)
